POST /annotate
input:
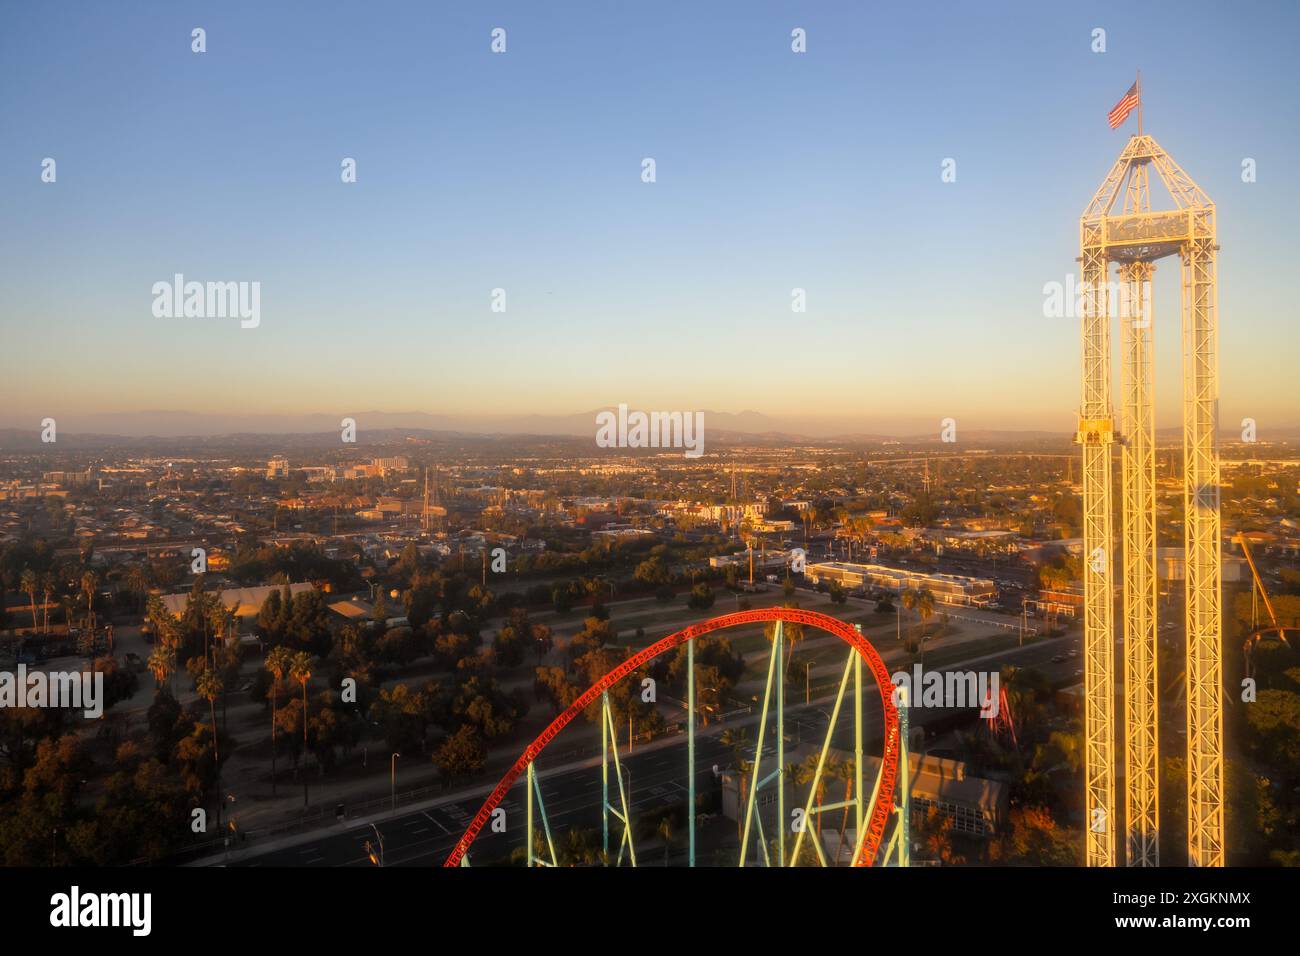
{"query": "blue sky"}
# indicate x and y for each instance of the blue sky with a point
(522, 171)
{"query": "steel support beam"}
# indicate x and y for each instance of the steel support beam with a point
(1138, 471)
(778, 650)
(860, 813)
(904, 782)
(690, 751)
(533, 788)
(625, 817)
(773, 670)
(1096, 435)
(1205, 783)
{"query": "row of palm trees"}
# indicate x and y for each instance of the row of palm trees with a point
(280, 662)
(46, 584)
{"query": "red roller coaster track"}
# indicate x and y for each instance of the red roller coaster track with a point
(875, 828)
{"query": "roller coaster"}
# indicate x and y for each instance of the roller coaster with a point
(881, 818)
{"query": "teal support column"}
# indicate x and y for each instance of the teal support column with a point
(536, 791)
(528, 786)
(905, 783)
(690, 752)
(778, 647)
(758, 760)
(859, 808)
(604, 773)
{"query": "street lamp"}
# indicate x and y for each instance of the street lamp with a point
(393, 764)
(628, 770)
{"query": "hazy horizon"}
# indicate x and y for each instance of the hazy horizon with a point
(522, 171)
(161, 423)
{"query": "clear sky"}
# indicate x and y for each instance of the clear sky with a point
(523, 171)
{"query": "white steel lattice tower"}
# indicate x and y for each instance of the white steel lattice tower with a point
(1134, 239)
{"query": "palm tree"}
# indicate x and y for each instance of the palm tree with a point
(925, 608)
(809, 769)
(862, 530)
(65, 604)
(738, 740)
(137, 580)
(48, 587)
(666, 833)
(909, 599)
(89, 584)
(209, 686)
(277, 664)
(30, 586)
(846, 770)
(164, 624)
(300, 670)
(214, 614)
(162, 661)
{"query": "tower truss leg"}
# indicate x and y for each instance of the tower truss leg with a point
(1096, 435)
(1137, 457)
(1205, 784)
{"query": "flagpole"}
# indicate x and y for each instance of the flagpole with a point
(1139, 86)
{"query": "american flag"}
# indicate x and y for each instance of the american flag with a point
(1127, 104)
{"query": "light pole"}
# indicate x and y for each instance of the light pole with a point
(807, 682)
(393, 764)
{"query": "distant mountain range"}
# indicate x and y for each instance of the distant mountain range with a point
(176, 429)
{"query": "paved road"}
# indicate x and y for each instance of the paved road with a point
(572, 798)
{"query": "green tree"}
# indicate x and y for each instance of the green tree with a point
(460, 755)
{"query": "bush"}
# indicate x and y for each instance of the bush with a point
(701, 597)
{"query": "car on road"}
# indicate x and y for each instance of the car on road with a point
(1058, 659)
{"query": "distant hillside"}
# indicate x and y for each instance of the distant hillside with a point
(180, 432)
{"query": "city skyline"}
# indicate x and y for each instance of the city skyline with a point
(514, 171)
